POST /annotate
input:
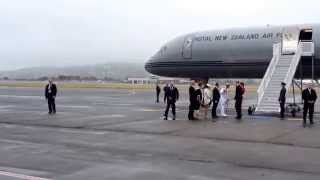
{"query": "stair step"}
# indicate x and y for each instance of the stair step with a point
(269, 101)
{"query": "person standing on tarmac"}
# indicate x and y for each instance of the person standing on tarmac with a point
(172, 95)
(198, 95)
(158, 90)
(224, 100)
(215, 100)
(50, 94)
(238, 97)
(193, 101)
(282, 99)
(206, 100)
(309, 97)
(165, 89)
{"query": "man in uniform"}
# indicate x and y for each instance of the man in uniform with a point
(238, 97)
(309, 97)
(172, 95)
(193, 101)
(50, 94)
(215, 100)
(158, 90)
(282, 99)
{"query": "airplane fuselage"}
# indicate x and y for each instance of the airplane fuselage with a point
(229, 53)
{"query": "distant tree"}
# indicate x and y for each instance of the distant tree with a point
(44, 78)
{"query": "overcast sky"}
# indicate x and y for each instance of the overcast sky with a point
(76, 32)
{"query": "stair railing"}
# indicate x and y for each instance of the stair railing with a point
(267, 76)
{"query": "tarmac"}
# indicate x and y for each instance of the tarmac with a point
(120, 134)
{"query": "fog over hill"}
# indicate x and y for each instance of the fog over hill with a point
(114, 70)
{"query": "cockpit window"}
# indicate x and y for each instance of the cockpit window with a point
(162, 51)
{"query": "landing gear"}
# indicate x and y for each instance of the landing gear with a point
(251, 110)
(293, 108)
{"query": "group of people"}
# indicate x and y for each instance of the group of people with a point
(201, 96)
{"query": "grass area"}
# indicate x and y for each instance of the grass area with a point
(78, 85)
(94, 85)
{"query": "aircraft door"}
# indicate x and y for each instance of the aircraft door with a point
(187, 48)
(290, 40)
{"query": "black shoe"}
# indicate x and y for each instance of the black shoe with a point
(304, 125)
(49, 112)
(165, 118)
(174, 118)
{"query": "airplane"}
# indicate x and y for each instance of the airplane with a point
(234, 53)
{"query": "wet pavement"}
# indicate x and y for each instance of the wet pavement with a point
(109, 134)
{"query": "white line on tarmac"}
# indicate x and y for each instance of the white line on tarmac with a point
(71, 106)
(21, 176)
(18, 96)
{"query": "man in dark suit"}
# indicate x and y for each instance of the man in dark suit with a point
(282, 99)
(309, 97)
(165, 89)
(238, 97)
(158, 90)
(172, 95)
(215, 100)
(50, 94)
(193, 101)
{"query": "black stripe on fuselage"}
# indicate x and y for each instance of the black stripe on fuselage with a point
(203, 63)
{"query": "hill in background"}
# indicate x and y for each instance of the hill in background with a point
(109, 71)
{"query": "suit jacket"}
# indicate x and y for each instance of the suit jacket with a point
(239, 93)
(192, 95)
(49, 93)
(282, 96)
(215, 95)
(158, 89)
(307, 96)
(172, 94)
(165, 89)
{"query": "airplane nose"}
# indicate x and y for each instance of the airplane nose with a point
(148, 66)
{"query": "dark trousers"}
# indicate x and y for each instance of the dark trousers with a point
(214, 109)
(171, 104)
(158, 94)
(282, 110)
(51, 105)
(308, 107)
(191, 112)
(238, 105)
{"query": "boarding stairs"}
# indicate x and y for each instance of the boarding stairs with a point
(282, 68)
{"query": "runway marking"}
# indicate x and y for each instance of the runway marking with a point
(17, 96)
(70, 106)
(5, 107)
(148, 110)
(123, 104)
(21, 176)
(295, 119)
(117, 115)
